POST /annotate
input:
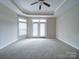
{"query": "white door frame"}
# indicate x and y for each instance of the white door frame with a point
(39, 29)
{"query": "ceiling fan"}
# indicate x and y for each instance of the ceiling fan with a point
(40, 3)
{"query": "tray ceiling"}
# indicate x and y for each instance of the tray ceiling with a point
(25, 7)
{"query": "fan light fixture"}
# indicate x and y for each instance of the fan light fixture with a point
(41, 2)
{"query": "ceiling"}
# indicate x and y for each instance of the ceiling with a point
(23, 7)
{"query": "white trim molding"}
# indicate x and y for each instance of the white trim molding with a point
(60, 5)
(8, 44)
(69, 44)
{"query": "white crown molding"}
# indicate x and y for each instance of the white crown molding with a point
(60, 5)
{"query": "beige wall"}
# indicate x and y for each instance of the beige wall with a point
(68, 26)
(51, 28)
(8, 26)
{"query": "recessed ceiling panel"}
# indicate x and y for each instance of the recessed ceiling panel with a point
(26, 7)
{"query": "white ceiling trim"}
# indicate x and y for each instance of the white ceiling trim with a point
(19, 12)
(38, 15)
(60, 5)
(29, 12)
(67, 6)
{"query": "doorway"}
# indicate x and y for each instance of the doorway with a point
(39, 28)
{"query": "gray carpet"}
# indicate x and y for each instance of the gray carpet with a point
(38, 49)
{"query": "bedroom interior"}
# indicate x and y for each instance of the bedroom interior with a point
(39, 29)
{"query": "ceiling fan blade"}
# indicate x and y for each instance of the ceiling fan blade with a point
(46, 4)
(34, 3)
(39, 7)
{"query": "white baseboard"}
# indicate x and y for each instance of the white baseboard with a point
(69, 44)
(8, 44)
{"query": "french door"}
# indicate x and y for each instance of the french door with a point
(35, 32)
(39, 28)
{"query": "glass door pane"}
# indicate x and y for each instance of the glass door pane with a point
(42, 30)
(35, 30)
(22, 28)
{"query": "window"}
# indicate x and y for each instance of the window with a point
(35, 30)
(43, 20)
(35, 20)
(22, 27)
(39, 27)
(38, 20)
(42, 29)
